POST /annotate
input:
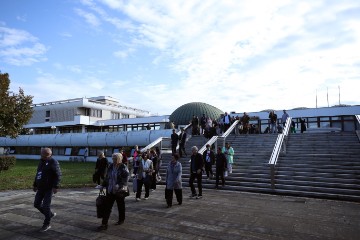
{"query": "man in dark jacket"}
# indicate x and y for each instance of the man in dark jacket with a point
(209, 160)
(46, 183)
(196, 168)
(182, 141)
(174, 141)
(220, 167)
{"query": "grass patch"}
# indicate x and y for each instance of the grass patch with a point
(22, 175)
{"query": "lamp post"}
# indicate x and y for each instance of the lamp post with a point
(53, 128)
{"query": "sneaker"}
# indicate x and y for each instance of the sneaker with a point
(193, 195)
(138, 199)
(146, 198)
(98, 187)
(102, 228)
(199, 196)
(208, 179)
(53, 214)
(45, 227)
(119, 222)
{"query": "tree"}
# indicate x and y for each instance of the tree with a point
(15, 109)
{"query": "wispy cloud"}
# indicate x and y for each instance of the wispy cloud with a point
(89, 17)
(20, 48)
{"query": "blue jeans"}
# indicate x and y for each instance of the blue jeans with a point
(42, 203)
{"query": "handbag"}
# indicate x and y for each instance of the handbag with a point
(101, 204)
(123, 192)
(134, 183)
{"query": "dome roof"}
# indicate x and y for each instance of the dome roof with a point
(183, 114)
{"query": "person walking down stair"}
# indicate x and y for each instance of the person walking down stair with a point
(220, 167)
(196, 169)
(229, 153)
(209, 159)
(182, 141)
(174, 141)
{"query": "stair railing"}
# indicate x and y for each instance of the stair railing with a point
(358, 131)
(161, 140)
(280, 145)
(210, 142)
(227, 133)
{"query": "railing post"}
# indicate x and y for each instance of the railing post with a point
(272, 175)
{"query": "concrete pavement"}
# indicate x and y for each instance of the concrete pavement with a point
(219, 215)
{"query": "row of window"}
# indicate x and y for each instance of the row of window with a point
(116, 128)
(71, 151)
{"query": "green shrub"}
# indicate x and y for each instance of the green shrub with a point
(6, 162)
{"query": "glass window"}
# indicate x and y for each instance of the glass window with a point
(67, 151)
(47, 114)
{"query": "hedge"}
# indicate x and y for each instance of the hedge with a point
(6, 162)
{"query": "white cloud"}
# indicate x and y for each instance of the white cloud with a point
(235, 55)
(89, 17)
(20, 48)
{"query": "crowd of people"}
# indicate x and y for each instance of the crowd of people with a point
(144, 168)
(209, 127)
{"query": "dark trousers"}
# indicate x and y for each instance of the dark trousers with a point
(226, 126)
(182, 149)
(120, 201)
(199, 183)
(169, 196)
(140, 183)
(98, 177)
(220, 174)
(173, 148)
(208, 169)
(153, 180)
(42, 202)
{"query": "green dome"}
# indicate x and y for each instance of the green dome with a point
(183, 114)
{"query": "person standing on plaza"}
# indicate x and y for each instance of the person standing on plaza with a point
(173, 181)
(174, 141)
(117, 178)
(100, 168)
(144, 176)
(273, 119)
(182, 141)
(155, 160)
(284, 117)
(209, 159)
(196, 169)
(229, 153)
(46, 183)
(220, 167)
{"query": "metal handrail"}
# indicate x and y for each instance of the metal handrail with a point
(210, 142)
(227, 133)
(279, 144)
(160, 140)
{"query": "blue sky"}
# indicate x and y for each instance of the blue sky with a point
(238, 56)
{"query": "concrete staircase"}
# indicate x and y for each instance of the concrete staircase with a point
(250, 169)
(324, 165)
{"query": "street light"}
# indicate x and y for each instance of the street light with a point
(53, 128)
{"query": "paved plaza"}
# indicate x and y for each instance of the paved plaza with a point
(219, 215)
